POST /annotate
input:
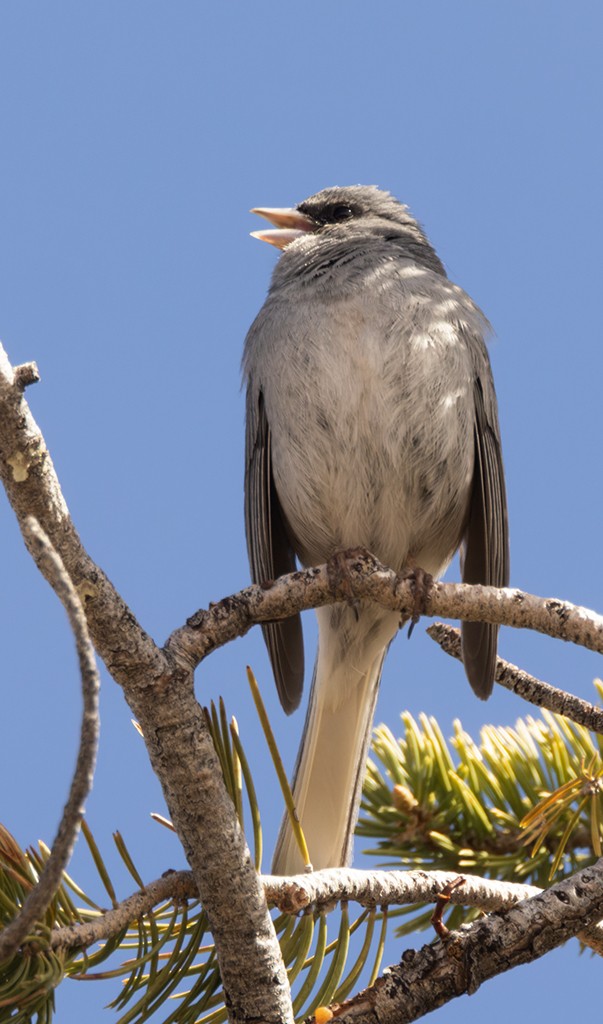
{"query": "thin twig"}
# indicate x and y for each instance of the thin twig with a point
(534, 690)
(443, 900)
(26, 374)
(33, 489)
(40, 897)
(176, 886)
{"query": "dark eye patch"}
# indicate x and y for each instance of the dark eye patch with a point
(339, 212)
(328, 213)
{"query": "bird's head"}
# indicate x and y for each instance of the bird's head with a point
(335, 211)
(349, 216)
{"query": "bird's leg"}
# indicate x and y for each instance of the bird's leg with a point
(339, 571)
(421, 583)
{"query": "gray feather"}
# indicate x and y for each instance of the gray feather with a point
(270, 552)
(486, 555)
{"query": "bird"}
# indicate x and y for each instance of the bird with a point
(371, 422)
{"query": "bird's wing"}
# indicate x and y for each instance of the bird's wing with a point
(486, 549)
(270, 551)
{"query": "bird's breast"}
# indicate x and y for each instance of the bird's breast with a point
(371, 418)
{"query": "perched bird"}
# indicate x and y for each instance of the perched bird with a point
(371, 422)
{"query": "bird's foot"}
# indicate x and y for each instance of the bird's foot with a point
(421, 583)
(339, 572)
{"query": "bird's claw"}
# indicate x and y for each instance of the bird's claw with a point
(421, 583)
(340, 577)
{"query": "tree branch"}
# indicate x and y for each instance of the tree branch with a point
(176, 886)
(208, 629)
(543, 695)
(159, 690)
(330, 886)
(33, 489)
(319, 890)
(430, 977)
(38, 900)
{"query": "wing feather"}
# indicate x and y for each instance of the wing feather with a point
(270, 551)
(486, 556)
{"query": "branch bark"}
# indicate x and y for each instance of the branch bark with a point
(428, 978)
(319, 890)
(534, 690)
(38, 900)
(208, 629)
(159, 689)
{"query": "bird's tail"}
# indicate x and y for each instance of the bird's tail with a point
(330, 766)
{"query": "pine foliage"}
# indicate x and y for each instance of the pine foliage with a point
(521, 804)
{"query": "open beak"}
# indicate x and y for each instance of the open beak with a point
(289, 223)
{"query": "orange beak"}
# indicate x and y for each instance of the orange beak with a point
(289, 223)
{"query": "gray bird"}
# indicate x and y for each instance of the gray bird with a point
(371, 422)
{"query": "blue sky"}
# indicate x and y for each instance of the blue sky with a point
(135, 138)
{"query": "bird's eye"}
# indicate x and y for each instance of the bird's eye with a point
(340, 212)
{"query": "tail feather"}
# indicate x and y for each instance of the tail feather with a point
(329, 773)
